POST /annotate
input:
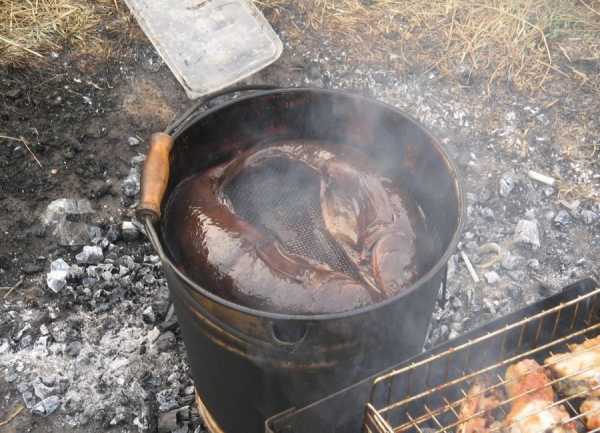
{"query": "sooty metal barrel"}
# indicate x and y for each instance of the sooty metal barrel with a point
(247, 364)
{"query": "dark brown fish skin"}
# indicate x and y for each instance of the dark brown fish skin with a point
(383, 233)
(241, 263)
(222, 250)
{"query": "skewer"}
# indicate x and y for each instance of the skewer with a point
(470, 267)
(541, 177)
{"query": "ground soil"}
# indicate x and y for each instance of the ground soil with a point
(77, 113)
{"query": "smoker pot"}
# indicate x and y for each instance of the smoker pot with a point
(247, 364)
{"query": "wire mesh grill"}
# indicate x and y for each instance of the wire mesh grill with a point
(283, 197)
(430, 396)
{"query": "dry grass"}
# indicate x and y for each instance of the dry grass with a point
(523, 41)
(31, 29)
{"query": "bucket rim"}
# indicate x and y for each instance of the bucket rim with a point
(157, 239)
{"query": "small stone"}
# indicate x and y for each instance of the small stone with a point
(189, 390)
(89, 281)
(487, 213)
(167, 421)
(444, 330)
(527, 232)
(133, 141)
(129, 231)
(149, 279)
(507, 184)
(142, 424)
(90, 254)
(56, 279)
(588, 216)
(42, 390)
(148, 315)
(511, 261)
(137, 160)
(166, 342)
(153, 335)
(562, 218)
(73, 349)
(44, 329)
(127, 261)
(166, 400)
(95, 233)
(491, 277)
(4, 346)
(131, 184)
(548, 191)
(47, 406)
(533, 264)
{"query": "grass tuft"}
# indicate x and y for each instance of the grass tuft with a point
(31, 29)
(521, 41)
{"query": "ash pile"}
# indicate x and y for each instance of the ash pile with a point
(101, 348)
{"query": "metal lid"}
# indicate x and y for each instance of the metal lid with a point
(208, 44)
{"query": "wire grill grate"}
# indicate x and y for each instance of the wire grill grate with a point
(427, 396)
(283, 197)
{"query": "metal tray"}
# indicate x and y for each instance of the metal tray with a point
(208, 44)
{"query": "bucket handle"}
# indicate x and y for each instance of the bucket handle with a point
(155, 176)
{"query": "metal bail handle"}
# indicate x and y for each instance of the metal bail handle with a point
(155, 176)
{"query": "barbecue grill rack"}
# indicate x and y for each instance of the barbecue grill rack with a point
(428, 395)
(425, 394)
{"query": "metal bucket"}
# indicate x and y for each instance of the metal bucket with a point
(248, 364)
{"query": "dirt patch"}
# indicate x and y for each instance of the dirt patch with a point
(148, 104)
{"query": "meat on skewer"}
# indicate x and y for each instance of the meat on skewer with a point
(532, 410)
(590, 408)
(478, 400)
(580, 372)
(580, 369)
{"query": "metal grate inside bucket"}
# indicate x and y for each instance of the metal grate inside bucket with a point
(283, 197)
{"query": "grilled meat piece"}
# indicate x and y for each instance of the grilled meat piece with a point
(580, 369)
(591, 410)
(531, 410)
(479, 400)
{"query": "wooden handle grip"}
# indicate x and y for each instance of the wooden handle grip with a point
(155, 176)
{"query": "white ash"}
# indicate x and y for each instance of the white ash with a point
(133, 141)
(492, 277)
(69, 221)
(527, 232)
(56, 279)
(90, 254)
(96, 358)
